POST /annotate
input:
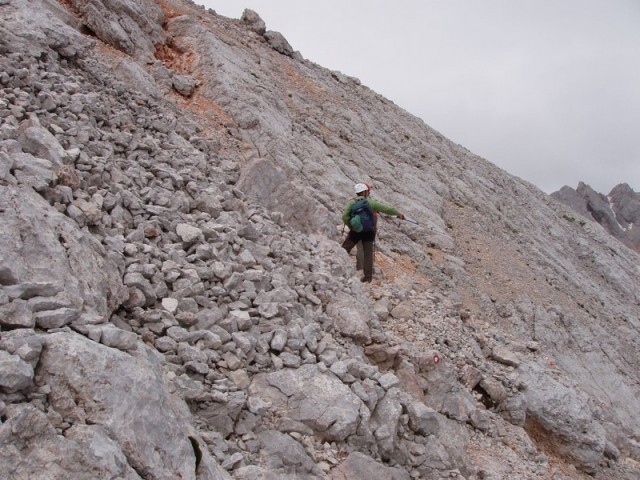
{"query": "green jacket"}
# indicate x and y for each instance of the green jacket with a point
(375, 205)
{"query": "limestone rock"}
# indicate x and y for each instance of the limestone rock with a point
(423, 419)
(133, 27)
(505, 356)
(17, 314)
(350, 319)
(39, 142)
(565, 416)
(15, 373)
(384, 422)
(112, 380)
(28, 440)
(117, 338)
(358, 466)
(184, 85)
(286, 454)
(279, 43)
(318, 400)
(77, 268)
(254, 21)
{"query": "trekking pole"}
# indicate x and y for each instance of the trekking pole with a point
(407, 219)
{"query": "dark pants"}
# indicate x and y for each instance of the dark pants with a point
(367, 239)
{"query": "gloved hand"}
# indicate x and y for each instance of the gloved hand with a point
(401, 216)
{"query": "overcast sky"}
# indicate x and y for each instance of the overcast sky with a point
(548, 90)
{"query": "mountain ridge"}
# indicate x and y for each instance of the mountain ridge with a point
(618, 212)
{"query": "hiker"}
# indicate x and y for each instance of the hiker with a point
(361, 216)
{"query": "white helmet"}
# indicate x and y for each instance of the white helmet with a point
(361, 187)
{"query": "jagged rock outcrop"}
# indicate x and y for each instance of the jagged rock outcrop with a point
(618, 212)
(174, 301)
(133, 27)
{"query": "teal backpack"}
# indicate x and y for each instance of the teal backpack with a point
(362, 219)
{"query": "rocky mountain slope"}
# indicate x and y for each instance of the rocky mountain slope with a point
(618, 212)
(174, 301)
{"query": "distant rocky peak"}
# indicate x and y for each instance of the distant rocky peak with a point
(618, 212)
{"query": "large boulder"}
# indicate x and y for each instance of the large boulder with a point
(350, 318)
(253, 21)
(50, 263)
(563, 417)
(317, 399)
(127, 396)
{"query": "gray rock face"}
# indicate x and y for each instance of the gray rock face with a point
(175, 303)
(265, 181)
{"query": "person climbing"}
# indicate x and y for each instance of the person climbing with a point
(361, 216)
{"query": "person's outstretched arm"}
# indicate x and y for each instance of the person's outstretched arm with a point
(386, 209)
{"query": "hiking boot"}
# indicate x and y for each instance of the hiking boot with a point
(366, 279)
